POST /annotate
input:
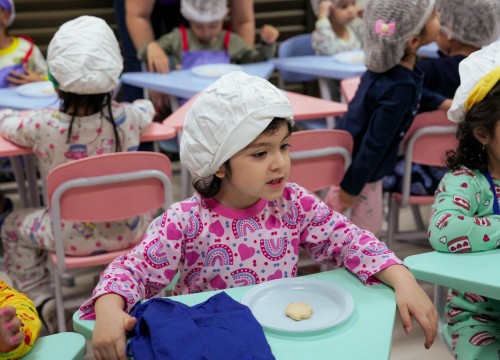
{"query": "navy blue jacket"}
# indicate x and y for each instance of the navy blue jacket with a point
(378, 117)
(441, 80)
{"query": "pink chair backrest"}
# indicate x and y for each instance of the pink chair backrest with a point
(430, 147)
(348, 88)
(319, 172)
(116, 201)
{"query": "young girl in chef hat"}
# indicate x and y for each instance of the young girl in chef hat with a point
(84, 65)
(245, 223)
(465, 213)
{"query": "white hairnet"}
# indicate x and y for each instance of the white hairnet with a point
(226, 117)
(84, 57)
(480, 66)
(315, 4)
(389, 24)
(9, 5)
(204, 11)
(473, 22)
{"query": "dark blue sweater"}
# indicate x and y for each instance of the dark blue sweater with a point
(377, 118)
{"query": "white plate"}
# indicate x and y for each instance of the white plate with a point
(214, 70)
(350, 57)
(36, 89)
(331, 304)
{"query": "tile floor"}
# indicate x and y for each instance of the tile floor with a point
(404, 347)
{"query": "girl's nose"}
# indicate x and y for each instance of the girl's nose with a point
(281, 160)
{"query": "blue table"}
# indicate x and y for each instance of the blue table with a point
(429, 50)
(10, 98)
(61, 346)
(365, 335)
(185, 84)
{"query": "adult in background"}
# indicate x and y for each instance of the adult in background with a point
(143, 21)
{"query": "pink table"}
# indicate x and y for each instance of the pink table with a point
(154, 132)
(304, 107)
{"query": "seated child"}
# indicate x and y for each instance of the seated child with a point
(384, 105)
(19, 323)
(205, 42)
(85, 64)
(466, 26)
(235, 144)
(21, 61)
(465, 213)
(338, 28)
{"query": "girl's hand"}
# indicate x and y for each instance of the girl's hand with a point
(108, 340)
(269, 34)
(29, 76)
(11, 335)
(346, 200)
(325, 9)
(412, 301)
(157, 59)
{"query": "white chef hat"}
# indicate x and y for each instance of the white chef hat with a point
(479, 73)
(84, 57)
(9, 5)
(389, 24)
(226, 117)
(473, 22)
(204, 11)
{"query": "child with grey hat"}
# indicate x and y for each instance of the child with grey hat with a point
(465, 213)
(205, 41)
(245, 223)
(466, 26)
(84, 65)
(385, 103)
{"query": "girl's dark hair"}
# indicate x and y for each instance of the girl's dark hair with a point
(92, 103)
(209, 186)
(483, 115)
(408, 54)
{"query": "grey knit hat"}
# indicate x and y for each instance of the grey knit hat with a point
(389, 24)
(473, 22)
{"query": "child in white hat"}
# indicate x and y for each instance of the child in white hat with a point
(385, 103)
(21, 61)
(467, 198)
(205, 41)
(235, 144)
(84, 65)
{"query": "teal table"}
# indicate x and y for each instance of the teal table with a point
(61, 346)
(365, 335)
(474, 272)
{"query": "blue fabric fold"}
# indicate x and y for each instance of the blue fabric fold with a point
(219, 328)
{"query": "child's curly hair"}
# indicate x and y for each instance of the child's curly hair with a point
(483, 115)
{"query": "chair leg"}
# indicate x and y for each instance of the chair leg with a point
(393, 221)
(61, 319)
(417, 216)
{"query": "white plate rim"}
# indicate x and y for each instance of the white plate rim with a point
(343, 57)
(349, 307)
(200, 70)
(26, 89)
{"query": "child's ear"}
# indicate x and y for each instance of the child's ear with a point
(413, 43)
(481, 135)
(220, 173)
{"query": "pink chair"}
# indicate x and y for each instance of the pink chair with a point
(320, 157)
(97, 189)
(425, 143)
(319, 160)
(348, 88)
